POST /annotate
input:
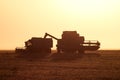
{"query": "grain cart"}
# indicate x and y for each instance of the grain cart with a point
(71, 41)
(37, 45)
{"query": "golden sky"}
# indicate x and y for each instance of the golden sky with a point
(95, 19)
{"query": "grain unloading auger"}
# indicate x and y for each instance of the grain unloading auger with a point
(71, 41)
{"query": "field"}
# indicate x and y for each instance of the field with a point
(100, 65)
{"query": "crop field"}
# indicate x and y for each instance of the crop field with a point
(99, 65)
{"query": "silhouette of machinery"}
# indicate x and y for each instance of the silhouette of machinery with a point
(35, 45)
(71, 41)
(39, 45)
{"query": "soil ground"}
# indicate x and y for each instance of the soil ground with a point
(100, 65)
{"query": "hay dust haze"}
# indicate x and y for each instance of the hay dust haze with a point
(95, 19)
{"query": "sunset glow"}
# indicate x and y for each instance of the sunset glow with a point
(90, 6)
(95, 19)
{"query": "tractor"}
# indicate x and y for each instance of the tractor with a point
(37, 45)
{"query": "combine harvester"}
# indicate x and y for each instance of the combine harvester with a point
(71, 42)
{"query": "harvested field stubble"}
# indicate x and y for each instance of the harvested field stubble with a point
(105, 66)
